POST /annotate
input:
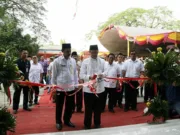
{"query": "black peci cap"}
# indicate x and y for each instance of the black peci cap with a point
(74, 53)
(93, 47)
(66, 46)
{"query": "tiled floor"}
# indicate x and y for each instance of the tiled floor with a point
(5, 101)
(171, 127)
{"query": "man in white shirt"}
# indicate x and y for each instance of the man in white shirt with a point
(93, 104)
(30, 59)
(120, 90)
(64, 74)
(78, 105)
(35, 75)
(111, 70)
(49, 72)
(132, 68)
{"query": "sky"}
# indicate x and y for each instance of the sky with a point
(89, 14)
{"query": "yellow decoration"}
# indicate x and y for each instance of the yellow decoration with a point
(157, 37)
(148, 104)
(121, 33)
(101, 34)
(103, 53)
(174, 36)
(159, 49)
(141, 38)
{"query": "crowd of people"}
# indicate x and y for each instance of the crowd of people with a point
(68, 71)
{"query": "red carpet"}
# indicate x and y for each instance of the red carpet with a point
(42, 118)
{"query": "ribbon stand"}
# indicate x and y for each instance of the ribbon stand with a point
(128, 48)
(129, 39)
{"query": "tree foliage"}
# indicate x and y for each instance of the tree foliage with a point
(157, 17)
(28, 13)
(12, 37)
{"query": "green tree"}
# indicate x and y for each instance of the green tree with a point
(129, 17)
(11, 37)
(157, 17)
(27, 13)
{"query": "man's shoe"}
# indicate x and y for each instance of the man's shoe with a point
(111, 110)
(115, 105)
(97, 126)
(86, 128)
(27, 109)
(14, 111)
(125, 110)
(59, 126)
(121, 106)
(69, 124)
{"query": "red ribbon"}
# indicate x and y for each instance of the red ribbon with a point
(127, 79)
(88, 84)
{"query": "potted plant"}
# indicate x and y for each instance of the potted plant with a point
(158, 108)
(8, 72)
(7, 121)
(163, 70)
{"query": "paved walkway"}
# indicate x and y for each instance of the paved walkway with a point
(4, 100)
(171, 127)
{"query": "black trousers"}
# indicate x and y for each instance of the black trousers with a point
(69, 102)
(93, 104)
(149, 91)
(35, 90)
(79, 100)
(119, 96)
(44, 77)
(131, 95)
(78, 104)
(111, 95)
(16, 97)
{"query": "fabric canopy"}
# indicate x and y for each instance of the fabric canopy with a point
(142, 36)
(114, 38)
